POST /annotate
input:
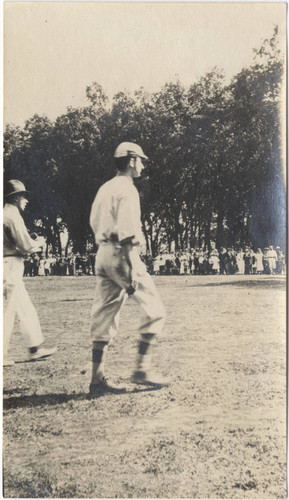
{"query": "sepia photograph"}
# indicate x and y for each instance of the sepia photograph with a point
(144, 250)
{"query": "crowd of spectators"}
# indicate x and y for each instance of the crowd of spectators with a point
(226, 261)
(54, 265)
(195, 261)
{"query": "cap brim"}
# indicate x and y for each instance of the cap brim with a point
(23, 193)
(137, 154)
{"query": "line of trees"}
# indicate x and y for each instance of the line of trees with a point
(215, 168)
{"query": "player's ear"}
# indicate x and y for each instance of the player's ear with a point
(131, 162)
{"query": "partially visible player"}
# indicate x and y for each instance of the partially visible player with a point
(115, 220)
(16, 243)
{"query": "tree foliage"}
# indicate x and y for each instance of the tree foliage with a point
(215, 159)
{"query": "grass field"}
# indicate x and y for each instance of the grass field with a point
(218, 431)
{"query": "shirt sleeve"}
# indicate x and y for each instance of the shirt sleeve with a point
(18, 233)
(128, 220)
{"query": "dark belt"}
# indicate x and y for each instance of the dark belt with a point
(115, 242)
(13, 255)
(113, 238)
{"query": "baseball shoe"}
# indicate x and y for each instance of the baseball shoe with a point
(41, 353)
(8, 362)
(103, 387)
(149, 377)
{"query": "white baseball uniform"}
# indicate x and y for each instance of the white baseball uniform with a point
(115, 216)
(16, 243)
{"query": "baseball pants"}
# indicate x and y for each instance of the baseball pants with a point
(111, 272)
(17, 301)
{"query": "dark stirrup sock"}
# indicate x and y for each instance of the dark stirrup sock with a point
(97, 351)
(144, 343)
(97, 360)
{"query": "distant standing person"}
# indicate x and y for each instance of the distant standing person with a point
(115, 220)
(259, 261)
(214, 260)
(248, 260)
(254, 262)
(47, 266)
(41, 269)
(266, 261)
(272, 259)
(280, 264)
(16, 243)
(240, 262)
(224, 259)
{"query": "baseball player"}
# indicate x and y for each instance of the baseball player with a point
(16, 243)
(115, 220)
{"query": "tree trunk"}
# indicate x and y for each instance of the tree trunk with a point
(177, 230)
(192, 234)
(49, 228)
(151, 238)
(67, 246)
(58, 240)
(200, 235)
(146, 237)
(220, 230)
(208, 234)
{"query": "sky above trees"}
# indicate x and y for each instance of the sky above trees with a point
(54, 50)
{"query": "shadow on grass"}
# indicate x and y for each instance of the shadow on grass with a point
(31, 361)
(40, 400)
(268, 283)
(34, 400)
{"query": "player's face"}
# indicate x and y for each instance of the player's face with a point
(22, 203)
(138, 166)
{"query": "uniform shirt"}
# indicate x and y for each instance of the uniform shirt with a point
(115, 212)
(16, 239)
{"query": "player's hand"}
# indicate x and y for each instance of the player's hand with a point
(130, 290)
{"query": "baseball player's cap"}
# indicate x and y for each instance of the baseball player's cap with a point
(128, 149)
(14, 187)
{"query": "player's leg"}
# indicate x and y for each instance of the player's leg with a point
(28, 318)
(30, 326)
(21, 304)
(9, 300)
(105, 315)
(152, 319)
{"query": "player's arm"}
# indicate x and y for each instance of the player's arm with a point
(127, 247)
(127, 231)
(18, 233)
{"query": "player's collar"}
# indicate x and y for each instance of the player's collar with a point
(128, 177)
